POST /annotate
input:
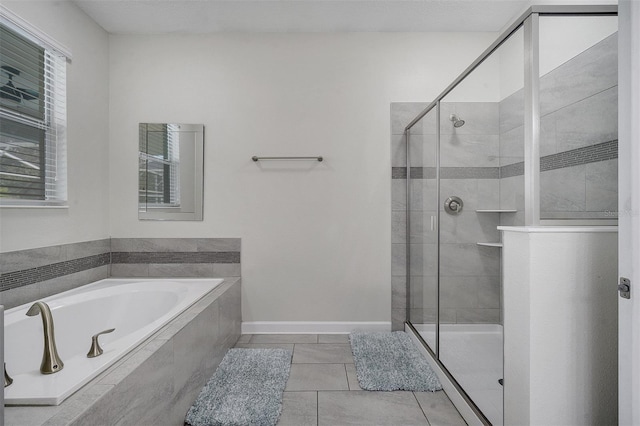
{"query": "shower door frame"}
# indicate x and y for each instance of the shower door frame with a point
(529, 20)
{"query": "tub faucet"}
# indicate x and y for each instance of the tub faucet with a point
(51, 362)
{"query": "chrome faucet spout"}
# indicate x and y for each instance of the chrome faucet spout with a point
(51, 362)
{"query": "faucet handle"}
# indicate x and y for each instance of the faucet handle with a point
(96, 350)
(7, 379)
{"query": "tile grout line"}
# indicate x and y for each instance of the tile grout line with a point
(421, 409)
(347, 375)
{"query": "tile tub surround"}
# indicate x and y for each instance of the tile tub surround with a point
(175, 257)
(158, 381)
(28, 275)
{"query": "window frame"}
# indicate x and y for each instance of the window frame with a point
(54, 122)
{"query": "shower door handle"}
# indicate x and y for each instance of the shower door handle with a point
(433, 223)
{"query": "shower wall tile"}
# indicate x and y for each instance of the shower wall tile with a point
(398, 292)
(398, 260)
(424, 259)
(398, 151)
(488, 193)
(398, 317)
(548, 140)
(588, 73)
(447, 316)
(512, 146)
(602, 186)
(423, 194)
(421, 231)
(478, 316)
(469, 227)
(398, 194)
(398, 226)
(468, 260)
(469, 150)
(458, 292)
(424, 292)
(511, 110)
(563, 190)
(402, 113)
(466, 189)
(470, 173)
(590, 121)
(512, 193)
(422, 148)
(489, 292)
(419, 316)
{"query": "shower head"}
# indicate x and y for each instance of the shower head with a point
(457, 122)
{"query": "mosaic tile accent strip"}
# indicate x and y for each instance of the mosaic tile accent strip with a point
(176, 257)
(398, 173)
(470, 173)
(447, 173)
(588, 154)
(510, 170)
(575, 157)
(24, 277)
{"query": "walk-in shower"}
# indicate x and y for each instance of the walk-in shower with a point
(537, 146)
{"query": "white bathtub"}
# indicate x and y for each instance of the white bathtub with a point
(136, 308)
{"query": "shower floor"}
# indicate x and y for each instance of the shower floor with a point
(473, 354)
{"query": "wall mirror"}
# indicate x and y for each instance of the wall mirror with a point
(170, 169)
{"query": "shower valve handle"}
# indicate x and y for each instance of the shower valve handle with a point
(453, 205)
(96, 350)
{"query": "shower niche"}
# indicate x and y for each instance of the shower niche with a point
(526, 136)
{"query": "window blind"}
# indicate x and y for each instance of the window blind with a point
(32, 121)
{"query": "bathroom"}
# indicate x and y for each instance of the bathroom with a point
(316, 242)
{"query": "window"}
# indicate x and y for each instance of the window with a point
(32, 119)
(159, 166)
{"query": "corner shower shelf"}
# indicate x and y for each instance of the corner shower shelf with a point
(499, 245)
(496, 211)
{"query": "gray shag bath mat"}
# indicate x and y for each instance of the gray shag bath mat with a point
(246, 389)
(390, 361)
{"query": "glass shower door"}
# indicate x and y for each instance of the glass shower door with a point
(422, 230)
(481, 144)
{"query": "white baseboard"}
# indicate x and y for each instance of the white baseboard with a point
(312, 327)
(456, 398)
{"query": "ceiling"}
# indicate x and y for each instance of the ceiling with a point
(208, 16)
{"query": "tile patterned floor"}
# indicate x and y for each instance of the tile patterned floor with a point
(323, 388)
